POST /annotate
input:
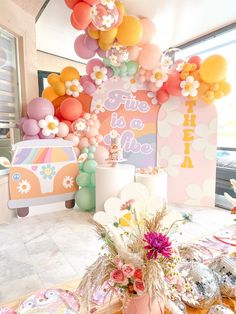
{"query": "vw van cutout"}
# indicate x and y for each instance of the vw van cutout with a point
(42, 172)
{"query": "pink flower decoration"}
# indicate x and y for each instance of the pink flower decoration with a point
(118, 262)
(138, 274)
(157, 244)
(139, 286)
(118, 276)
(128, 270)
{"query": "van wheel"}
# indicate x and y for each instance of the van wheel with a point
(70, 204)
(22, 212)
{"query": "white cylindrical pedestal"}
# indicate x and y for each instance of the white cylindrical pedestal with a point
(110, 181)
(156, 183)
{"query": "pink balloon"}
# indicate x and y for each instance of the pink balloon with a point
(97, 123)
(90, 122)
(30, 137)
(89, 87)
(20, 123)
(162, 95)
(77, 151)
(41, 136)
(63, 129)
(149, 57)
(109, 72)
(149, 31)
(73, 138)
(172, 85)
(91, 43)
(84, 79)
(101, 154)
(83, 143)
(133, 53)
(93, 131)
(196, 60)
(81, 50)
(92, 140)
(101, 53)
(30, 127)
(38, 108)
(92, 63)
(99, 138)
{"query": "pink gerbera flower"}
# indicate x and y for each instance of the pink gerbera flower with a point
(158, 243)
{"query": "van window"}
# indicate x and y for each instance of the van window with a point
(43, 155)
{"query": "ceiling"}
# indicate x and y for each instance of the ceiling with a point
(177, 21)
(30, 6)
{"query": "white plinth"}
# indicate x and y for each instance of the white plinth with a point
(156, 184)
(110, 181)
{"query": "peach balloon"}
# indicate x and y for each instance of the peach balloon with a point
(92, 140)
(73, 138)
(99, 138)
(93, 131)
(149, 31)
(77, 151)
(133, 53)
(101, 154)
(96, 124)
(149, 57)
(83, 143)
(63, 129)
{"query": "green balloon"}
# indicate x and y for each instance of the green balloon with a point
(132, 67)
(92, 149)
(81, 165)
(85, 150)
(123, 68)
(85, 199)
(90, 166)
(83, 179)
(93, 179)
(90, 156)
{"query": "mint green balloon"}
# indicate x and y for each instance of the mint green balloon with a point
(123, 68)
(85, 199)
(85, 150)
(83, 179)
(132, 67)
(93, 179)
(81, 165)
(92, 149)
(90, 166)
(90, 156)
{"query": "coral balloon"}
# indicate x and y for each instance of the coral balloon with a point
(196, 60)
(53, 78)
(82, 14)
(133, 53)
(69, 74)
(172, 85)
(71, 3)
(213, 69)
(92, 2)
(162, 95)
(30, 127)
(59, 88)
(73, 138)
(130, 31)
(71, 109)
(149, 31)
(80, 48)
(149, 57)
(225, 87)
(92, 63)
(74, 22)
(101, 154)
(38, 108)
(49, 93)
(63, 129)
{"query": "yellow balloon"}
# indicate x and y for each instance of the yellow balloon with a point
(93, 34)
(130, 31)
(103, 45)
(121, 7)
(53, 78)
(225, 87)
(59, 88)
(218, 94)
(213, 69)
(108, 37)
(69, 74)
(49, 93)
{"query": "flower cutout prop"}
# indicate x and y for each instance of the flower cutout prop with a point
(68, 182)
(73, 88)
(189, 87)
(167, 63)
(201, 195)
(99, 75)
(99, 107)
(49, 125)
(24, 187)
(159, 77)
(169, 162)
(48, 171)
(157, 244)
(108, 3)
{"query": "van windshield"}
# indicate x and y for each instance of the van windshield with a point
(42, 155)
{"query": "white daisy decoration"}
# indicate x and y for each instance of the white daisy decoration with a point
(108, 3)
(179, 66)
(159, 76)
(131, 84)
(153, 98)
(49, 125)
(189, 87)
(99, 107)
(99, 74)
(93, 11)
(169, 162)
(202, 194)
(167, 62)
(68, 182)
(113, 60)
(24, 187)
(107, 21)
(73, 88)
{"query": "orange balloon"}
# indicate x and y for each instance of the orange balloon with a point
(225, 87)
(149, 31)
(69, 74)
(213, 69)
(103, 45)
(53, 78)
(130, 31)
(109, 36)
(59, 88)
(49, 93)
(93, 34)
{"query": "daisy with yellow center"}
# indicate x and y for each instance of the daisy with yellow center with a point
(132, 84)
(99, 74)
(99, 107)
(159, 77)
(24, 187)
(49, 125)
(189, 87)
(73, 88)
(108, 3)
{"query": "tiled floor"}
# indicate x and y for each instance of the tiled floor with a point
(42, 251)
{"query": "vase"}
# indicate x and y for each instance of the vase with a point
(142, 305)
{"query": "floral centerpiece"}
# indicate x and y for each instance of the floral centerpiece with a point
(139, 262)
